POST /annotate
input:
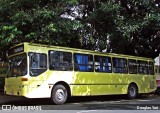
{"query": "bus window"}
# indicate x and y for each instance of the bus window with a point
(38, 63)
(151, 68)
(102, 64)
(120, 65)
(17, 65)
(142, 67)
(132, 64)
(83, 62)
(60, 60)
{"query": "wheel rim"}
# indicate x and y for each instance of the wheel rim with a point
(60, 94)
(132, 91)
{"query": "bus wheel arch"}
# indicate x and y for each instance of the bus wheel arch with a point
(132, 90)
(60, 93)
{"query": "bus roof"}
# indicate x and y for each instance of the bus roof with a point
(83, 50)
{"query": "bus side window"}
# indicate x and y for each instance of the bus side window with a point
(151, 68)
(107, 64)
(98, 64)
(38, 63)
(34, 60)
(60, 60)
(83, 62)
(132, 64)
(102, 64)
(120, 65)
(143, 67)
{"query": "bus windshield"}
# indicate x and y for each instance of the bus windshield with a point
(17, 66)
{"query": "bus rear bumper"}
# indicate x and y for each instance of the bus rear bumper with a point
(19, 94)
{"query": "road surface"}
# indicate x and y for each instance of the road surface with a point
(116, 102)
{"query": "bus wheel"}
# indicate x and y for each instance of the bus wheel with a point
(59, 94)
(132, 91)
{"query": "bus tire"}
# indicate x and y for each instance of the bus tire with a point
(59, 94)
(132, 91)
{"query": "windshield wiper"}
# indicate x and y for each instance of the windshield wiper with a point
(20, 62)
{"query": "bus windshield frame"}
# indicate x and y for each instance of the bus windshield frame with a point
(17, 65)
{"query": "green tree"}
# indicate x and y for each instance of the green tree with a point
(119, 26)
(40, 21)
(123, 26)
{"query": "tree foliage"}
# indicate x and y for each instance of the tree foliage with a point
(38, 21)
(119, 26)
(125, 26)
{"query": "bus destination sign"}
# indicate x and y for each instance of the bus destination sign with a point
(16, 49)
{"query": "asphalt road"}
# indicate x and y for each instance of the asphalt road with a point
(88, 104)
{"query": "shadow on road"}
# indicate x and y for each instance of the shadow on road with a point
(43, 101)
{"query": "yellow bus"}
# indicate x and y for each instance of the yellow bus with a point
(44, 71)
